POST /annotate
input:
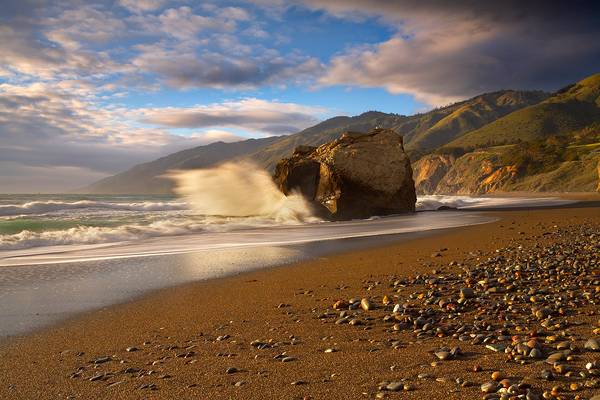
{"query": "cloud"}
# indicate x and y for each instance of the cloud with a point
(180, 46)
(260, 116)
(51, 47)
(186, 69)
(181, 23)
(140, 6)
(52, 128)
(445, 51)
(87, 24)
(234, 13)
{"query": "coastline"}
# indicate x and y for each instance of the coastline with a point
(277, 302)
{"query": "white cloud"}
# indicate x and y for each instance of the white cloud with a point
(182, 23)
(140, 6)
(234, 13)
(257, 115)
(61, 130)
(239, 67)
(54, 126)
(446, 51)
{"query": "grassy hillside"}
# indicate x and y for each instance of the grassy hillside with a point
(568, 112)
(472, 114)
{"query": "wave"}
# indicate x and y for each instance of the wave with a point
(239, 189)
(95, 235)
(43, 207)
(434, 202)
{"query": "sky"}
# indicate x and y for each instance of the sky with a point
(91, 88)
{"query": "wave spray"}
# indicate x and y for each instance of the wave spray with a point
(239, 189)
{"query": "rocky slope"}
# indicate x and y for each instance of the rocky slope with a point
(488, 171)
(355, 176)
(550, 146)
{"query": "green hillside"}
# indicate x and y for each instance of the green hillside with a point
(568, 112)
(472, 114)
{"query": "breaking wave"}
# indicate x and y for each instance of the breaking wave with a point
(99, 234)
(43, 207)
(239, 190)
(434, 202)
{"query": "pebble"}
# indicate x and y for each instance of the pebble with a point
(366, 304)
(555, 357)
(489, 387)
(443, 355)
(497, 376)
(547, 375)
(102, 360)
(536, 353)
(395, 386)
(98, 377)
(592, 344)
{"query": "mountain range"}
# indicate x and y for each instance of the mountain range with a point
(502, 141)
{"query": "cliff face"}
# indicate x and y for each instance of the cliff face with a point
(356, 176)
(430, 170)
(482, 172)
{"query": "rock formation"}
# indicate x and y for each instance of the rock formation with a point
(482, 172)
(430, 170)
(356, 176)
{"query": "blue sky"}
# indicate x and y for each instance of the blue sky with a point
(91, 88)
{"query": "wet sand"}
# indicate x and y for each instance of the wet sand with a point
(186, 338)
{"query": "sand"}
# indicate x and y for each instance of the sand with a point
(280, 304)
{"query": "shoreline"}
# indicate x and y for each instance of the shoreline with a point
(36, 295)
(178, 314)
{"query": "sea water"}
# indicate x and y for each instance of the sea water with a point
(65, 254)
(32, 221)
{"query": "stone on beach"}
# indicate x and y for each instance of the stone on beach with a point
(342, 180)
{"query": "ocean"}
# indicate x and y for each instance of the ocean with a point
(65, 254)
(30, 221)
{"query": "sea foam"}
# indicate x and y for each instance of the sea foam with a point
(239, 190)
(43, 207)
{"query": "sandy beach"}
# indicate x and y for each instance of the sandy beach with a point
(273, 333)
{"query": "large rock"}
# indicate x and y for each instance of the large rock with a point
(356, 176)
